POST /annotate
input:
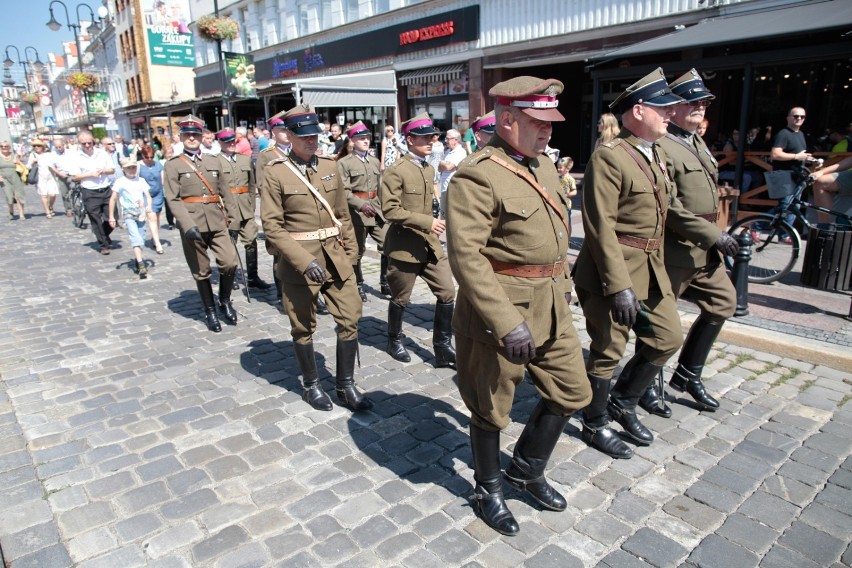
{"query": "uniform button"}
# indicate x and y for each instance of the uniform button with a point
(523, 210)
(560, 234)
(558, 258)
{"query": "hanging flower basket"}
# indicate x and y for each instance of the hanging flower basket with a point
(212, 28)
(82, 81)
(29, 98)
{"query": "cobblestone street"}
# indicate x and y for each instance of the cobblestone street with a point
(132, 436)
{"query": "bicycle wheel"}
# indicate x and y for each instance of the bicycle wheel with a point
(775, 250)
(78, 211)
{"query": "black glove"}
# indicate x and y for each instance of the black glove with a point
(518, 344)
(727, 244)
(315, 272)
(193, 234)
(234, 233)
(625, 306)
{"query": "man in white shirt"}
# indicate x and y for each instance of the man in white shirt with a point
(453, 156)
(59, 166)
(93, 169)
(209, 144)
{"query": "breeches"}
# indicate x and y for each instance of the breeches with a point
(402, 275)
(248, 231)
(341, 297)
(196, 254)
(361, 232)
(709, 287)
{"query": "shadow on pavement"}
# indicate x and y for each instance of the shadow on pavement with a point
(275, 363)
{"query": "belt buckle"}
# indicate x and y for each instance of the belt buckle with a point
(322, 234)
(204, 199)
(648, 245)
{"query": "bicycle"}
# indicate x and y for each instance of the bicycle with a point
(78, 210)
(777, 243)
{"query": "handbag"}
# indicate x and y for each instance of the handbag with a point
(32, 175)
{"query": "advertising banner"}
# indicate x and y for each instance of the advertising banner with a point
(239, 69)
(169, 40)
(98, 102)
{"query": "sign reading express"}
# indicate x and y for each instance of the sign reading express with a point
(429, 32)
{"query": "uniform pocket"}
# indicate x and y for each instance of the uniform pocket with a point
(521, 223)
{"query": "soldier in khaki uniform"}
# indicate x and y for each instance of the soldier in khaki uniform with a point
(483, 129)
(240, 194)
(306, 219)
(508, 241)
(625, 202)
(412, 245)
(693, 243)
(190, 183)
(360, 173)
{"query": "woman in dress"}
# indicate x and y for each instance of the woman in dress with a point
(46, 184)
(152, 172)
(11, 182)
(607, 128)
(389, 152)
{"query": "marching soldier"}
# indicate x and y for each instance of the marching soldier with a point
(620, 274)
(508, 241)
(306, 219)
(190, 186)
(360, 173)
(693, 243)
(483, 129)
(412, 245)
(238, 189)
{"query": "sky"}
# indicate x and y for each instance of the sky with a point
(23, 23)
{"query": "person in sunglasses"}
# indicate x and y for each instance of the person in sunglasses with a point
(93, 169)
(789, 152)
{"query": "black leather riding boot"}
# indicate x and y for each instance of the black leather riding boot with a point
(254, 281)
(532, 452)
(312, 393)
(359, 282)
(205, 290)
(395, 336)
(633, 381)
(687, 376)
(596, 431)
(653, 400)
(383, 277)
(442, 334)
(229, 314)
(488, 493)
(347, 392)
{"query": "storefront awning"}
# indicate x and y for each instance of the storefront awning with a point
(355, 90)
(432, 74)
(803, 18)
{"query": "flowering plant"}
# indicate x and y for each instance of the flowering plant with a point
(212, 28)
(30, 98)
(81, 80)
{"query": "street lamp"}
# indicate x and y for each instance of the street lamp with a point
(226, 113)
(9, 62)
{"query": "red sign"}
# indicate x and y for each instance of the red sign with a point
(429, 32)
(13, 112)
(138, 120)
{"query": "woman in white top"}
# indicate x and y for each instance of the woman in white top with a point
(131, 191)
(389, 151)
(46, 184)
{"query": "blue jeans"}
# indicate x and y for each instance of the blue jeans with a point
(136, 231)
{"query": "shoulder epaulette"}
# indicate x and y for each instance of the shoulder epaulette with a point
(268, 149)
(277, 161)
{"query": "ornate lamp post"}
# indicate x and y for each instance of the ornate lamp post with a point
(27, 96)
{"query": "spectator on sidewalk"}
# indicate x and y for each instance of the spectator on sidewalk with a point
(789, 152)
(453, 156)
(833, 190)
(209, 144)
(59, 167)
(46, 185)
(13, 185)
(152, 172)
(135, 199)
(608, 129)
(243, 144)
(93, 169)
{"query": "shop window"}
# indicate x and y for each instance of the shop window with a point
(379, 6)
(352, 14)
(304, 20)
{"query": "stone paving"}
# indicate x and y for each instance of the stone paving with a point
(131, 436)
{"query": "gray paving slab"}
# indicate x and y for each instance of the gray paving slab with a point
(131, 436)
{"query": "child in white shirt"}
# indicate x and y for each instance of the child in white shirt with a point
(131, 191)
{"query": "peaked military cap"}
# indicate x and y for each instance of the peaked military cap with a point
(226, 135)
(302, 120)
(420, 125)
(535, 97)
(690, 87)
(486, 123)
(277, 121)
(651, 90)
(191, 125)
(358, 129)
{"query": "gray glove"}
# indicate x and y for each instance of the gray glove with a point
(193, 234)
(624, 308)
(518, 344)
(315, 272)
(727, 244)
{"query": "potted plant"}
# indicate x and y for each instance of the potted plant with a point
(212, 28)
(82, 80)
(29, 98)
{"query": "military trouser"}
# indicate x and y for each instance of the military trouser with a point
(196, 253)
(709, 287)
(402, 276)
(341, 298)
(248, 231)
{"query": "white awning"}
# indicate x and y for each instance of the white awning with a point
(432, 74)
(356, 90)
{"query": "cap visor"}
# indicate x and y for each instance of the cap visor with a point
(548, 114)
(699, 97)
(664, 100)
(307, 130)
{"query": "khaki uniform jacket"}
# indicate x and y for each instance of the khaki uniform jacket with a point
(239, 173)
(181, 181)
(361, 175)
(263, 159)
(492, 213)
(619, 198)
(287, 206)
(407, 205)
(690, 239)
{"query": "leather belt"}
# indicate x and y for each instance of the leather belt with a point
(712, 217)
(97, 189)
(648, 245)
(364, 194)
(528, 270)
(319, 235)
(239, 190)
(201, 199)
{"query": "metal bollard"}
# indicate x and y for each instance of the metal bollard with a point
(739, 274)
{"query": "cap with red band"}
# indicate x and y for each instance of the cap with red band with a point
(535, 97)
(302, 120)
(420, 125)
(486, 123)
(276, 121)
(358, 129)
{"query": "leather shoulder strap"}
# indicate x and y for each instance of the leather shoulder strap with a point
(694, 152)
(201, 177)
(647, 171)
(314, 191)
